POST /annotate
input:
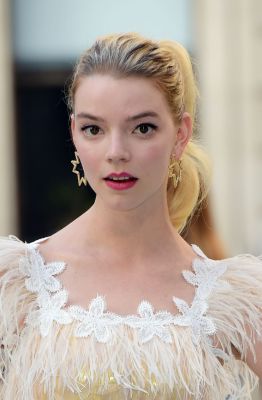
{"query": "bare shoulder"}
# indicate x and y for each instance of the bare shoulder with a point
(54, 246)
(62, 243)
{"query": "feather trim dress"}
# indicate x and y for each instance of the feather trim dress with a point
(50, 350)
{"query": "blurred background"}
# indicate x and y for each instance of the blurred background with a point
(39, 44)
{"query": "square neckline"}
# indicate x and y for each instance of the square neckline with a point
(50, 309)
(52, 303)
(199, 256)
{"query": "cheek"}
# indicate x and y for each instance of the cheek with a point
(88, 157)
(157, 158)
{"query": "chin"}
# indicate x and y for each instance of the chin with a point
(123, 204)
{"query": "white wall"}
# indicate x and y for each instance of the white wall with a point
(8, 206)
(59, 30)
(229, 43)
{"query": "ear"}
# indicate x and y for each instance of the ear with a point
(72, 125)
(183, 136)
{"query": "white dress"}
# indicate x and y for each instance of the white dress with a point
(68, 352)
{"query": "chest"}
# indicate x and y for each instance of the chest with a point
(88, 343)
(124, 290)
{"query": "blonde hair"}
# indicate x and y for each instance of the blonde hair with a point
(169, 65)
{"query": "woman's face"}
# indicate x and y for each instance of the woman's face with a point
(124, 125)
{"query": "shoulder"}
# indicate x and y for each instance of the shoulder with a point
(244, 276)
(235, 306)
(16, 258)
(245, 262)
(239, 288)
(13, 251)
(11, 248)
(240, 273)
(12, 289)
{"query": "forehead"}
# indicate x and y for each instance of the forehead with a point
(122, 94)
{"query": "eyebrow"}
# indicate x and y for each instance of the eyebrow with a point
(132, 118)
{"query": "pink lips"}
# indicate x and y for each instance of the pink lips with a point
(121, 185)
(120, 175)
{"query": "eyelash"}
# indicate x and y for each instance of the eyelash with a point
(150, 125)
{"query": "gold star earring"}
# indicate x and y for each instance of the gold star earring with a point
(76, 162)
(175, 171)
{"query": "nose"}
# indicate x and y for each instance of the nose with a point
(117, 148)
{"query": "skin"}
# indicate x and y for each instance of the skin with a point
(136, 218)
(119, 233)
(114, 242)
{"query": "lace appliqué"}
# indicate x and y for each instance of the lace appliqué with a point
(205, 275)
(150, 323)
(95, 321)
(195, 317)
(100, 323)
(50, 309)
(40, 275)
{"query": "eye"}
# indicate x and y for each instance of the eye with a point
(90, 130)
(145, 129)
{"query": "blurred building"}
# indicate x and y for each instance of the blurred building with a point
(228, 45)
(40, 42)
(8, 181)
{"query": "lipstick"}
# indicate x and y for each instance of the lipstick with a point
(120, 181)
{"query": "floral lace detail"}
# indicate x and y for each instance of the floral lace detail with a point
(206, 275)
(97, 321)
(40, 275)
(194, 316)
(50, 309)
(150, 323)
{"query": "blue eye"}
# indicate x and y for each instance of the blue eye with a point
(90, 130)
(146, 129)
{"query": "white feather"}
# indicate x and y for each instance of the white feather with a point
(63, 366)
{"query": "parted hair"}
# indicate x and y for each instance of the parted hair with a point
(169, 65)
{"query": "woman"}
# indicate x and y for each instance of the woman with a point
(82, 310)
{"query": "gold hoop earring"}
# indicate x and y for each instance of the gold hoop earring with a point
(175, 171)
(76, 162)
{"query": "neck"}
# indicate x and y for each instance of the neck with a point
(134, 234)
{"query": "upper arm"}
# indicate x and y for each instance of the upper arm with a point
(244, 310)
(255, 364)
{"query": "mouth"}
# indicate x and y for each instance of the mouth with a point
(121, 180)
